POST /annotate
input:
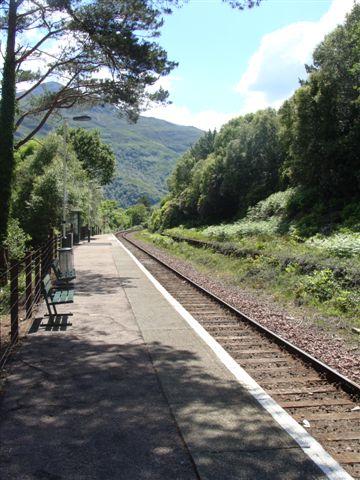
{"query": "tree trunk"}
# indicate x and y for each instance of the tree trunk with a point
(7, 118)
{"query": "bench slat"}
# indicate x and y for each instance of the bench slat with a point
(62, 296)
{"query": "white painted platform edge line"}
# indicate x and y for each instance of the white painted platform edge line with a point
(307, 443)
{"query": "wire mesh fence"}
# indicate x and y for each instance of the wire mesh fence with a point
(20, 293)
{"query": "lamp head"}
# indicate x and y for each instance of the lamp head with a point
(82, 118)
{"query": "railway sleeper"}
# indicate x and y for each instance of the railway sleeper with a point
(258, 351)
(320, 402)
(309, 380)
(303, 391)
(329, 417)
(271, 361)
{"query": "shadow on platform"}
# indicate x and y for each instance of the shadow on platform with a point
(59, 323)
(94, 283)
(77, 409)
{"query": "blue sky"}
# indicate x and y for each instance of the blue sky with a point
(232, 62)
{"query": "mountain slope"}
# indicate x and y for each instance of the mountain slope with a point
(146, 152)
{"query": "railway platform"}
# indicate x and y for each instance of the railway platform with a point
(126, 389)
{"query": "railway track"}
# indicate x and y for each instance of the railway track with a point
(319, 398)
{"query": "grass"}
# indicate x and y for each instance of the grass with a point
(303, 277)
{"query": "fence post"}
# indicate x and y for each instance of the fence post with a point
(37, 278)
(28, 282)
(55, 246)
(43, 261)
(3, 267)
(51, 251)
(14, 300)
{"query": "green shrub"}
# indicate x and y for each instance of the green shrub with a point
(340, 244)
(274, 205)
(167, 216)
(347, 301)
(16, 240)
(242, 228)
(350, 216)
(321, 285)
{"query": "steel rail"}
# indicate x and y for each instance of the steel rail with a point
(331, 374)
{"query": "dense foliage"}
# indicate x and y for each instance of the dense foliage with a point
(321, 122)
(96, 157)
(37, 195)
(312, 145)
(115, 218)
(226, 172)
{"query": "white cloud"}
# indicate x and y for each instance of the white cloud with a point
(272, 74)
(165, 82)
(275, 67)
(182, 115)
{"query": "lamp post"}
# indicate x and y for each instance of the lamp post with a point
(63, 221)
(78, 118)
(94, 191)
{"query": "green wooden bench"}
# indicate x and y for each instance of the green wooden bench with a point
(62, 277)
(55, 297)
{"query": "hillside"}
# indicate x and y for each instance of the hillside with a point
(146, 152)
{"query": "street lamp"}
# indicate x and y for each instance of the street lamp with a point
(78, 118)
(82, 118)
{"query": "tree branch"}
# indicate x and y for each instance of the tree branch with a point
(39, 82)
(38, 44)
(50, 110)
(36, 129)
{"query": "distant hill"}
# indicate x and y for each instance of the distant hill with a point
(146, 152)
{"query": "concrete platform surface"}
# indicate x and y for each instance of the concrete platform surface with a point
(124, 389)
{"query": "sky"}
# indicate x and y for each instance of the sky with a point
(233, 62)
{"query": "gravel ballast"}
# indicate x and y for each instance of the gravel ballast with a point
(326, 346)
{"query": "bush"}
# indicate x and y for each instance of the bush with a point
(242, 228)
(321, 285)
(340, 244)
(301, 201)
(16, 240)
(274, 205)
(350, 216)
(167, 216)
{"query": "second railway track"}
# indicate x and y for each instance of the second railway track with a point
(315, 395)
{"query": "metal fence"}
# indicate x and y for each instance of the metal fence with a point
(20, 293)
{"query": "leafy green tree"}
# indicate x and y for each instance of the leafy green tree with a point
(97, 158)
(144, 200)
(211, 204)
(137, 214)
(39, 184)
(16, 240)
(112, 216)
(167, 216)
(204, 146)
(181, 179)
(182, 174)
(321, 122)
(252, 161)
